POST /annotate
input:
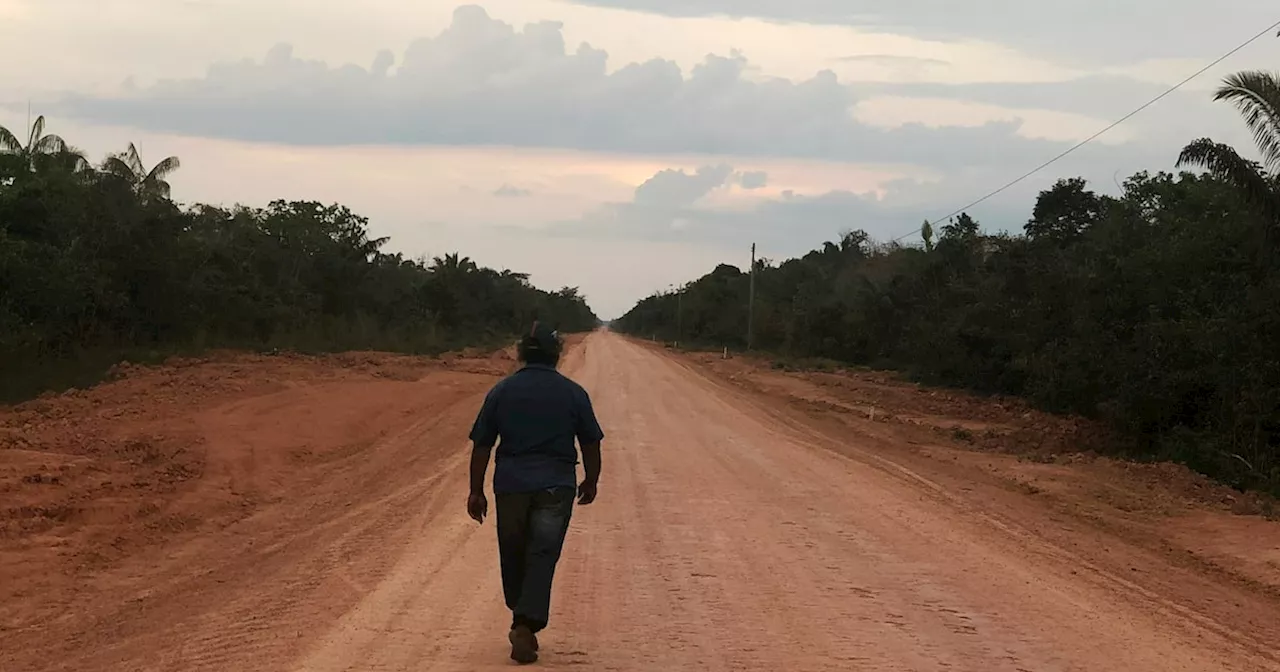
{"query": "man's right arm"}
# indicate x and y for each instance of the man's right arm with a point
(484, 434)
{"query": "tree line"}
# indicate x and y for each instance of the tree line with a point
(1157, 310)
(98, 263)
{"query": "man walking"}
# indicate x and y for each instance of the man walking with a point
(533, 415)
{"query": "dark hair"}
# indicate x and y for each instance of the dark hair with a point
(532, 352)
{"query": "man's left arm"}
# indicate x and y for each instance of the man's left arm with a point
(589, 437)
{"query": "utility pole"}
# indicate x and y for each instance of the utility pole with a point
(679, 317)
(751, 300)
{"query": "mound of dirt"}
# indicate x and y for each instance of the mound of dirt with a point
(91, 477)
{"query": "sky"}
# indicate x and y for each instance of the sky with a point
(627, 146)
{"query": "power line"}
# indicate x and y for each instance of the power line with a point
(1095, 136)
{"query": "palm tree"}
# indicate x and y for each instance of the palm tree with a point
(40, 145)
(448, 289)
(37, 141)
(453, 264)
(146, 183)
(1257, 95)
(69, 160)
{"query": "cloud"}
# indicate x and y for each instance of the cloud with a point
(1095, 102)
(756, 179)
(1105, 96)
(895, 67)
(1084, 31)
(482, 82)
(678, 188)
(891, 60)
(508, 191)
(789, 223)
(666, 208)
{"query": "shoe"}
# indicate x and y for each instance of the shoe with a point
(524, 645)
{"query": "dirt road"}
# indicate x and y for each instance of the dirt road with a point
(728, 536)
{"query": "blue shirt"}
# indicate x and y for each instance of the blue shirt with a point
(537, 413)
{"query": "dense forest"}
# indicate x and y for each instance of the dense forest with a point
(1156, 310)
(97, 263)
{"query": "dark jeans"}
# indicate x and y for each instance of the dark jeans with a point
(531, 530)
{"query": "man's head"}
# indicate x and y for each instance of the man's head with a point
(540, 346)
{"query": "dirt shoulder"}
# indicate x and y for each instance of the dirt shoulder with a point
(103, 488)
(1033, 456)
